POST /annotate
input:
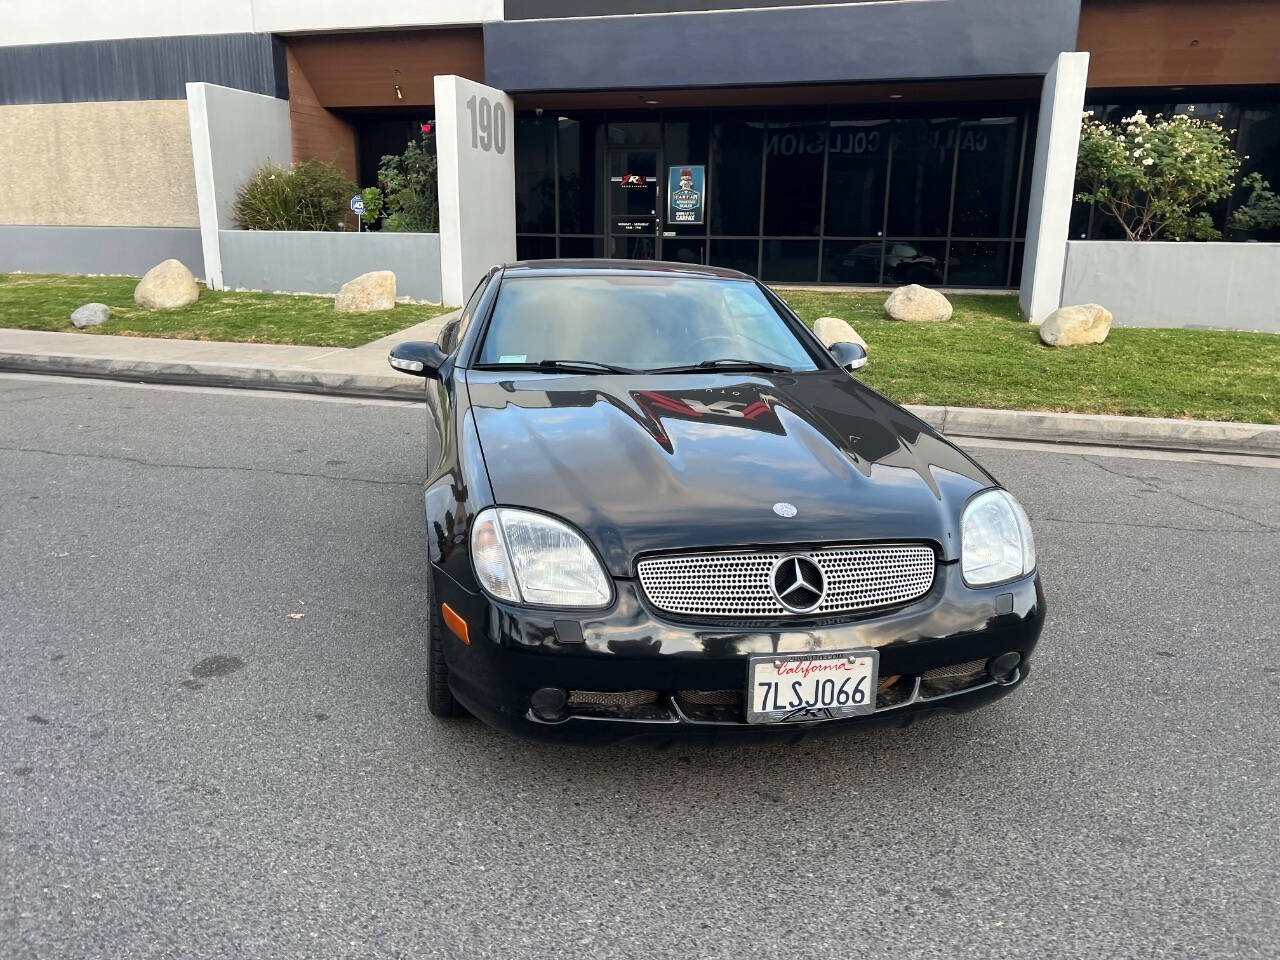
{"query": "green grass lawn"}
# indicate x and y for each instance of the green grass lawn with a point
(986, 356)
(44, 302)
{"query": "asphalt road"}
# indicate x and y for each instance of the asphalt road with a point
(187, 770)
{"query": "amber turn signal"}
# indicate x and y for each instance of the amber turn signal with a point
(457, 626)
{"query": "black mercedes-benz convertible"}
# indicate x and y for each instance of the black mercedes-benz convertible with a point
(660, 506)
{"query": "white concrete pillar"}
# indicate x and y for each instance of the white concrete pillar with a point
(476, 177)
(1053, 179)
(233, 133)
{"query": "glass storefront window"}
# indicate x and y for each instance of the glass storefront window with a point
(851, 261)
(810, 196)
(857, 151)
(915, 261)
(741, 255)
(986, 175)
(583, 248)
(581, 146)
(920, 178)
(535, 248)
(790, 261)
(734, 188)
(793, 178)
(535, 175)
(978, 263)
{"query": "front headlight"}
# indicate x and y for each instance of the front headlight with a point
(528, 557)
(995, 539)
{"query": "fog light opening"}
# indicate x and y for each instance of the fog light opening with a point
(1004, 668)
(548, 703)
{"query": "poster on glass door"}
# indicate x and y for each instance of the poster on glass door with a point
(686, 193)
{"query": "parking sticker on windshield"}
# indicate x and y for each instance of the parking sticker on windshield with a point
(513, 358)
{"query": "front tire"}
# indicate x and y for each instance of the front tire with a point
(440, 699)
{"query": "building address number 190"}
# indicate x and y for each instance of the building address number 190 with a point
(488, 125)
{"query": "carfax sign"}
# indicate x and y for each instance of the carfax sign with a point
(686, 193)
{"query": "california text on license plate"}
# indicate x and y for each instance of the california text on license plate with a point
(812, 686)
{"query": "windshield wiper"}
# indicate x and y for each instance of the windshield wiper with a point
(726, 363)
(559, 366)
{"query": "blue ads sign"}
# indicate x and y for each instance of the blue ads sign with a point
(686, 193)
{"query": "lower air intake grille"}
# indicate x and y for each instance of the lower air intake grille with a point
(739, 584)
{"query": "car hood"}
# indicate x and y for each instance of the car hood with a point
(669, 462)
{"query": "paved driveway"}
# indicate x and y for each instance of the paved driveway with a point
(213, 739)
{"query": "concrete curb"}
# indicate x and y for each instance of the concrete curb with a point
(391, 386)
(1204, 436)
(1161, 433)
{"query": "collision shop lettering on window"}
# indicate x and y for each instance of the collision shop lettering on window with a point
(790, 143)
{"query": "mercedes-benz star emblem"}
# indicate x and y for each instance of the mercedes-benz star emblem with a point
(798, 584)
(784, 509)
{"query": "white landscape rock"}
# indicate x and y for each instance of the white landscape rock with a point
(90, 315)
(366, 293)
(1076, 326)
(916, 304)
(834, 330)
(166, 286)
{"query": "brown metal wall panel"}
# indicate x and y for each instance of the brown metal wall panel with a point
(1160, 43)
(363, 69)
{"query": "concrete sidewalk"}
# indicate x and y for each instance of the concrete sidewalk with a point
(359, 371)
(363, 372)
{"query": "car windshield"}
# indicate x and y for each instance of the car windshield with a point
(639, 323)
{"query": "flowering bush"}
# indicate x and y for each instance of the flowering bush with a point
(408, 182)
(1157, 176)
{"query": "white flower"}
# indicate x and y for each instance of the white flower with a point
(1191, 108)
(1148, 162)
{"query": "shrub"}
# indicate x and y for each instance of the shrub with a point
(408, 182)
(311, 195)
(1261, 211)
(1156, 177)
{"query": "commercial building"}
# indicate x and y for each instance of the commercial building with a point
(872, 142)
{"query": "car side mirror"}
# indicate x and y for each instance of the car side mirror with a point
(448, 334)
(850, 356)
(417, 357)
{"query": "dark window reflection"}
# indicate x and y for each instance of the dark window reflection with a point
(857, 154)
(682, 250)
(582, 247)
(581, 185)
(535, 175)
(920, 182)
(851, 261)
(1015, 278)
(635, 133)
(978, 263)
(986, 173)
(793, 178)
(914, 261)
(792, 261)
(735, 254)
(535, 248)
(737, 145)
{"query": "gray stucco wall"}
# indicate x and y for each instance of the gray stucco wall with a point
(300, 262)
(131, 251)
(1226, 285)
(811, 44)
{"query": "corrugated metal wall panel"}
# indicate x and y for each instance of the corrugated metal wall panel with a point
(150, 68)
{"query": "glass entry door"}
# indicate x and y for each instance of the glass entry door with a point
(635, 197)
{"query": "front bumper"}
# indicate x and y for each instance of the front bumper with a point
(636, 673)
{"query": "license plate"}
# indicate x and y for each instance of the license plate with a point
(812, 686)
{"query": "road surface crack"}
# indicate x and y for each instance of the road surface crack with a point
(211, 467)
(1149, 485)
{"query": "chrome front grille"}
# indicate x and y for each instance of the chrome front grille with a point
(738, 584)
